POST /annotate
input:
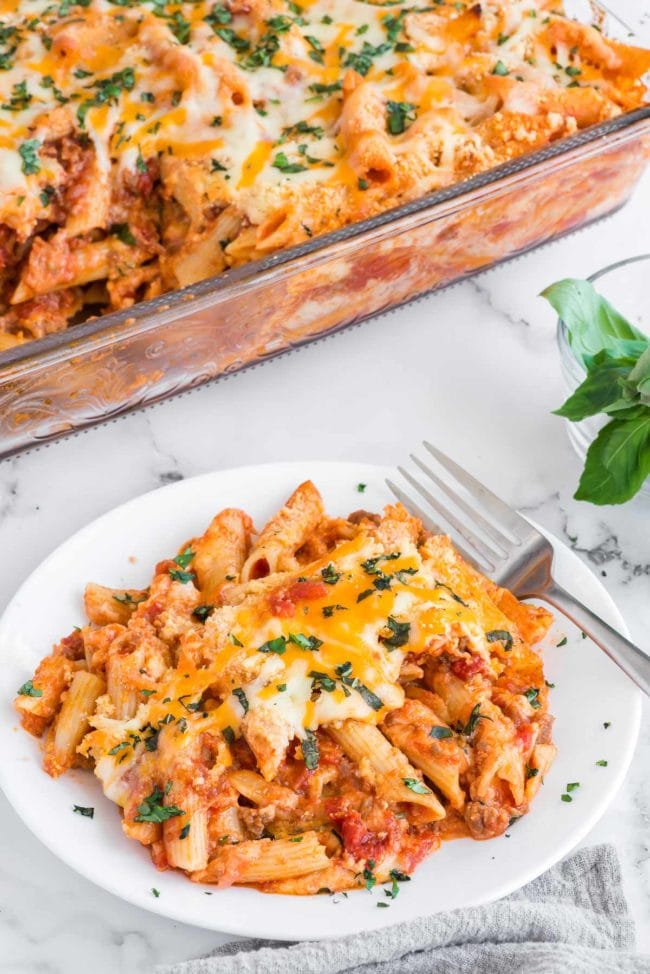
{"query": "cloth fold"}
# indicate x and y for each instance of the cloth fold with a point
(572, 918)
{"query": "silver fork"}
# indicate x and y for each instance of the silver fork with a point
(507, 548)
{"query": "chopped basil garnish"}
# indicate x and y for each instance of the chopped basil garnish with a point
(184, 832)
(29, 690)
(181, 576)
(229, 735)
(601, 764)
(329, 610)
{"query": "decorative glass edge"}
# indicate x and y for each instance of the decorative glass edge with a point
(124, 322)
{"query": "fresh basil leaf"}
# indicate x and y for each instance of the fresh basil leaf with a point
(593, 324)
(617, 462)
(277, 646)
(401, 632)
(599, 391)
(639, 377)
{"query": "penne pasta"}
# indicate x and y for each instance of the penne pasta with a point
(72, 722)
(325, 725)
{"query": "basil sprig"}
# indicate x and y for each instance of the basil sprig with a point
(616, 356)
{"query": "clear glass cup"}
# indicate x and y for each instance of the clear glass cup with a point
(625, 285)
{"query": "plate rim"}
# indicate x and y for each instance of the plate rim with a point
(242, 928)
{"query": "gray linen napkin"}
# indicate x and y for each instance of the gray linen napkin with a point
(573, 919)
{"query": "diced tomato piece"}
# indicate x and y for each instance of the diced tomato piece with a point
(283, 601)
(153, 610)
(464, 668)
(358, 840)
(525, 737)
(72, 646)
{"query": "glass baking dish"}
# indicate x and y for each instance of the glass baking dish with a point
(99, 369)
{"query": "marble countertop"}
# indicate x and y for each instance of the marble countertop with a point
(449, 368)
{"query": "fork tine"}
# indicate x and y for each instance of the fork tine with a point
(492, 504)
(471, 512)
(486, 553)
(415, 508)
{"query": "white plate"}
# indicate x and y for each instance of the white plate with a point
(589, 691)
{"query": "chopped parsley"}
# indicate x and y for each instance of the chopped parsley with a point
(601, 764)
(531, 772)
(234, 640)
(321, 681)
(572, 785)
(401, 632)
(455, 597)
(361, 61)
(399, 116)
(500, 69)
(344, 673)
(329, 575)
(361, 487)
(370, 565)
(532, 696)
(228, 735)
(151, 809)
(184, 832)
(562, 642)
(607, 724)
(86, 811)
(125, 598)
(364, 595)
(417, 786)
(277, 646)
(29, 690)
(241, 696)
(369, 875)
(310, 750)
(500, 636)
(156, 892)
(440, 733)
(474, 718)
(305, 642)
(123, 232)
(566, 798)
(201, 612)
(329, 610)
(179, 575)
(282, 163)
(28, 152)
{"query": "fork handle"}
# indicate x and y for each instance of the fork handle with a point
(631, 659)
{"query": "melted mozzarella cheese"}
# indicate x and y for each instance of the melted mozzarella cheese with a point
(260, 101)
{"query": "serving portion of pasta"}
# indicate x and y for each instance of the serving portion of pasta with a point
(312, 708)
(146, 145)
